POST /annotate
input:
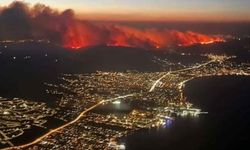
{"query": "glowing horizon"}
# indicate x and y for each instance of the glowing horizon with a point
(157, 10)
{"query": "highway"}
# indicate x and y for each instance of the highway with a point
(155, 83)
(69, 123)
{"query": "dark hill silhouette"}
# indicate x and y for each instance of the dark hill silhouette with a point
(105, 58)
(24, 78)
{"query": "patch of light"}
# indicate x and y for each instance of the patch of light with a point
(117, 102)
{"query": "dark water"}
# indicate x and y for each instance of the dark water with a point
(117, 109)
(227, 126)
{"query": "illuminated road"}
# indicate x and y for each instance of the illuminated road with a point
(155, 84)
(67, 124)
(181, 87)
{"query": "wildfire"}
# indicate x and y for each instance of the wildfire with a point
(74, 44)
(42, 22)
(132, 37)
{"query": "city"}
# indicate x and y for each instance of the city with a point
(156, 99)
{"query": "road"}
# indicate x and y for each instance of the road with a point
(69, 123)
(155, 84)
(181, 87)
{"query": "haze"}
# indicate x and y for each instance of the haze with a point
(154, 10)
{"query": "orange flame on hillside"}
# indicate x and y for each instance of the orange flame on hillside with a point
(114, 35)
(21, 21)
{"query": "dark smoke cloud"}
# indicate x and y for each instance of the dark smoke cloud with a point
(15, 21)
(21, 21)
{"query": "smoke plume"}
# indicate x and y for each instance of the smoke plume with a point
(21, 21)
